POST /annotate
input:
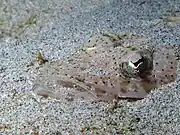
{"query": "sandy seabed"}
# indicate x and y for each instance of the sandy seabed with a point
(57, 28)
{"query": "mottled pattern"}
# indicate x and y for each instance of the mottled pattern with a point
(96, 68)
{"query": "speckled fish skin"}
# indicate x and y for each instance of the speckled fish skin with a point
(95, 68)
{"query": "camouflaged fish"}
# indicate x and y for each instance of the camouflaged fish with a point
(108, 69)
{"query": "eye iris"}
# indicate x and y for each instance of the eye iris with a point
(131, 64)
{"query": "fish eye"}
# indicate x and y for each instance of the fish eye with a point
(139, 62)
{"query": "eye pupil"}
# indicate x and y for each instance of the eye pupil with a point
(140, 61)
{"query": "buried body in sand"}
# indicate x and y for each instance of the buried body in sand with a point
(109, 67)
